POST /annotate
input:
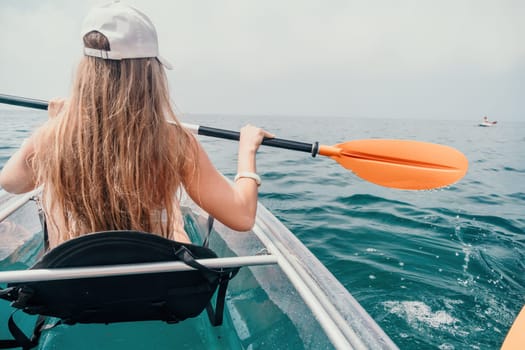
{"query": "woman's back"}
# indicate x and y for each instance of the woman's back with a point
(114, 156)
(110, 160)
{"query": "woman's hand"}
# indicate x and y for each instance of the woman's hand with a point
(249, 142)
(251, 138)
(55, 106)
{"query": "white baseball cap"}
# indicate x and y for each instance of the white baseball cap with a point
(130, 33)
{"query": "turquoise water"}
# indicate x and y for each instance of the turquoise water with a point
(440, 269)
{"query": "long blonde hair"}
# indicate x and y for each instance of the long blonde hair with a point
(111, 161)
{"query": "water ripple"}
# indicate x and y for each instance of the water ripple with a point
(436, 269)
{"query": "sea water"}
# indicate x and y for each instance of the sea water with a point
(442, 269)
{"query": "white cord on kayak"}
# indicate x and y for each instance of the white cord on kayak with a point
(248, 175)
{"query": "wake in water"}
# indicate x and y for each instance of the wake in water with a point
(430, 276)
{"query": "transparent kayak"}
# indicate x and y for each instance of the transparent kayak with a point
(284, 298)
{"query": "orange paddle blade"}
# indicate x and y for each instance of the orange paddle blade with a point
(403, 164)
(515, 339)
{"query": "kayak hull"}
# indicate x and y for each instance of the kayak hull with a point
(295, 303)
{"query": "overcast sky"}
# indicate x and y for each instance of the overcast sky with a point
(441, 59)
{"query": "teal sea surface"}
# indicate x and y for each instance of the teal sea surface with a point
(437, 269)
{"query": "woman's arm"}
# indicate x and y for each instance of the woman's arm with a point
(233, 205)
(18, 175)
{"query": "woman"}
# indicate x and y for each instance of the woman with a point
(114, 156)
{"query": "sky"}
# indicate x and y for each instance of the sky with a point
(411, 59)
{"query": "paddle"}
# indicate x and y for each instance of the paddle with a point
(402, 164)
(515, 338)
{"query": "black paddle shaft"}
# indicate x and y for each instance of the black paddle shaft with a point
(203, 130)
(273, 142)
(23, 102)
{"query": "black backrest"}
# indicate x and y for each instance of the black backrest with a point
(167, 296)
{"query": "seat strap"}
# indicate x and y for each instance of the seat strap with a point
(5, 293)
(216, 316)
(43, 222)
(210, 226)
(185, 256)
(20, 340)
(8, 344)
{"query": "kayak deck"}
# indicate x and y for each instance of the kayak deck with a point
(294, 304)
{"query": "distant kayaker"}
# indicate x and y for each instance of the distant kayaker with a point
(108, 158)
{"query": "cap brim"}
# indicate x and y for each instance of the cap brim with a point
(164, 62)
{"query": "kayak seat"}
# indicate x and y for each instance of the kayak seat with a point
(166, 296)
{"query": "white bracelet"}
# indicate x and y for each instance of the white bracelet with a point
(248, 175)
